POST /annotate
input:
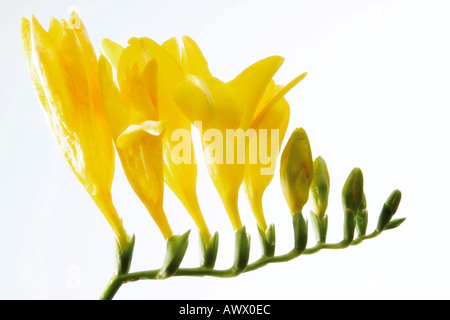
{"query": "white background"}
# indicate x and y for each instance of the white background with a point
(376, 96)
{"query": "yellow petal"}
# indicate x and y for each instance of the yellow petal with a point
(137, 91)
(112, 51)
(105, 204)
(251, 84)
(150, 126)
(275, 98)
(209, 100)
(89, 55)
(150, 80)
(34, 75)
(117, 111)
(193, 60)
(173, 48)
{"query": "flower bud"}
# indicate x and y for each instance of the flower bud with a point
(352, 192)
(389, 209)
(296, 170)
(320, 187)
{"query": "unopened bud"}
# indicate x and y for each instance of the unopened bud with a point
(320, 187)
(389, 209)
(296, 170)
(352, 192)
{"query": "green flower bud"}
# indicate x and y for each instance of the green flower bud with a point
(241, 250)
(389, 209)
(320, 187)
(352, 192)
(296, 170)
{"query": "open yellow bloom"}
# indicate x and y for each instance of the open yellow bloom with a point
(180, 176)
(63, 67)
(133, 119)
(271, 120)
(226, 111)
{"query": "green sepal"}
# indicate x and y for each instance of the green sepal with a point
(175, 250)
(389, 209)
(394, 223)
(361, 222)
(300, 232)
(362, 217)
(209, 251)
(241, 250)
(124, 257)
(349, 225)
(268, 241)
(320, 226)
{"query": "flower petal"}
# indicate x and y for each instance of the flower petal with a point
(193, 60)
(251, 84)
(154, 128)
(112, 51)
(209, 100)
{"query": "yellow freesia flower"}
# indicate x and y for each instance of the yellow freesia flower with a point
(63, 67)
(271, 119)
(133, 119)
(226, 111)
(180, 176)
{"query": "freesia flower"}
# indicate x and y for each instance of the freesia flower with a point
(226, 110)
(63, 67)
(133, 119)
(272, 119)
(180, 176)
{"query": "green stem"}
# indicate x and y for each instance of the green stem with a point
(112, 288)
(118, 280)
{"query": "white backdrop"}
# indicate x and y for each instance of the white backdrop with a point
(376, 96)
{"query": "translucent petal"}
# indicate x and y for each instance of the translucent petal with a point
(251, 84)
(151, 127)
(193, 60)
(112, 51)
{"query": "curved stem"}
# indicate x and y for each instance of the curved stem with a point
(118, 280)
(112, 288)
